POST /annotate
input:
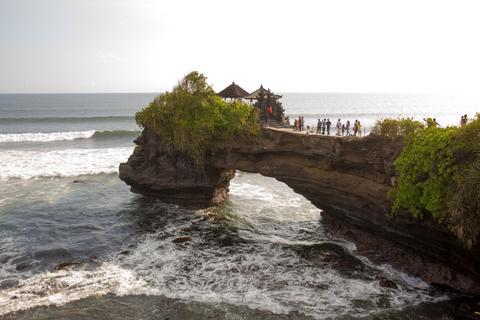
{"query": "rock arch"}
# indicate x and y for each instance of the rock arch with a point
(347, 177)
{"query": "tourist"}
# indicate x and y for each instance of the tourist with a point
(302, 124)
(299, 123)
(359, 129)
(328, 124)
(295, 125)
(347, 127)
(464, 121)
(308, 130)
(324, 126)
(339, 127)
(355, 128)
(269, 112)
(343, 129)
(319, 126)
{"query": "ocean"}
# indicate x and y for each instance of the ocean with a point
(76, 243)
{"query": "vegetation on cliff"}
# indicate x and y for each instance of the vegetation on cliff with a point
(396, 128)
(193, 120)
(439, 173)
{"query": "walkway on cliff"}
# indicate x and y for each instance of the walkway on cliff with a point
(313, 133)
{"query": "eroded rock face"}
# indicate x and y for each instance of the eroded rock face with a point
(153, 171)
(348, 178)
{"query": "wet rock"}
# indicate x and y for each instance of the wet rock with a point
(386, 283)
(186, 229)
(65, 265)
(182, 239)
(330, 254)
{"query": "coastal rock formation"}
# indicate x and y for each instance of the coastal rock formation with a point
(348, 178)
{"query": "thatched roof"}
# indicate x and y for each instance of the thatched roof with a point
(254, 95)
(233, 91)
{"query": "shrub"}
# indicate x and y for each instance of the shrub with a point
(395, 128)
(439, 174)
(426, 170)
(193, 120)
(464, 205)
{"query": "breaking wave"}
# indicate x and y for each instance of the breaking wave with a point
(70, 135)
(61, 163)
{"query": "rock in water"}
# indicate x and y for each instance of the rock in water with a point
(385, 283)
(182, 239)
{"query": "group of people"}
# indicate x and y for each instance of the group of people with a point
(346, 129)
(324, 126)
(342, 129)
(299, 124)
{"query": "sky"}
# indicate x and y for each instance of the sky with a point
(62, 46)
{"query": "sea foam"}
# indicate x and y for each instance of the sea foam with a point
(45, 137)
(61, 163)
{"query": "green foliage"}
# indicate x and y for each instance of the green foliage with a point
(193, 120)
(439, 174)
(426, 170)
(464, 205)
(395, 128)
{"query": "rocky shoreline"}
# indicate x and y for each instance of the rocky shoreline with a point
(347, 178)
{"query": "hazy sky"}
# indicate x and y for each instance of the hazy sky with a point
(297, 45)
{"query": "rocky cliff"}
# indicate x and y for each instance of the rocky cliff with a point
(348, 178)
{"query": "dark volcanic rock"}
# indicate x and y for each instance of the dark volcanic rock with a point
(386, 283)
(66, 264)
(182, 239)
(347, 177)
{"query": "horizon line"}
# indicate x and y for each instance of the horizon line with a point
(281, 92)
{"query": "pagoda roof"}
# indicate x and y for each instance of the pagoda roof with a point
(254, 95)
(233, 91)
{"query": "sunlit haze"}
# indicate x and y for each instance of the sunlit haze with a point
(304, 46)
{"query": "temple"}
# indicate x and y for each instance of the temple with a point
(268, 103)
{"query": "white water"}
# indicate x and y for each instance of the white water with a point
(46, 137)
(61, 163)
(262, 274)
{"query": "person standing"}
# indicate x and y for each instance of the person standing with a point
(339, 127)
(328, 126)
(319, 126)
(324, 125)
(302, 124)
(347, 127)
